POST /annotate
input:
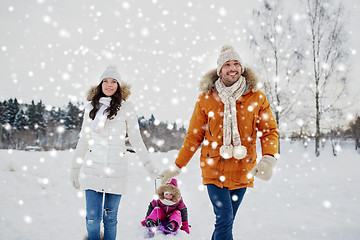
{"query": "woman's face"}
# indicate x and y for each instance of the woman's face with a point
(109, 86)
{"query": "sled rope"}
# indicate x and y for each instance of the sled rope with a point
(157, 205)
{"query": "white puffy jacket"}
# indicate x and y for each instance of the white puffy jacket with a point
(103, 156)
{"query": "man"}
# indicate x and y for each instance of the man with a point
(228, 116)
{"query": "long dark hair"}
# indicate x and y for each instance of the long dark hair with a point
(115, 102)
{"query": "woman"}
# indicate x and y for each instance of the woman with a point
(100, 151)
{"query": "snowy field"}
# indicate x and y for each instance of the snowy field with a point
(307, 198)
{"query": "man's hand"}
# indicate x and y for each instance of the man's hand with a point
(264, 169)
(168, 174)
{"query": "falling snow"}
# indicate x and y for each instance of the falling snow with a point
(321, 192)
(55, 52)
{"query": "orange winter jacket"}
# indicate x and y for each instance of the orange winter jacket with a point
(254, 118)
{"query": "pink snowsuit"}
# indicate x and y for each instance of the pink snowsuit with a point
(166, 210)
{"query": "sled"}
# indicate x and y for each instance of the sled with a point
(152, 231)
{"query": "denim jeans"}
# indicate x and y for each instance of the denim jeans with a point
(95, 211)
(225, 203)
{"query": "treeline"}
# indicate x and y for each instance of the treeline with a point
(37, 127)
(336, 136)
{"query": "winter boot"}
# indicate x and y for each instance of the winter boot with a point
(150, 223)
(171, 226)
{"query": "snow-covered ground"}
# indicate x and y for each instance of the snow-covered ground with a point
(307, 198)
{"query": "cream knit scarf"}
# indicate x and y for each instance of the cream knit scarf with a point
(100, 120)
(167, 202)
(228, 96)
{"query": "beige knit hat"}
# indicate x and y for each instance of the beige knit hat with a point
(228, 53)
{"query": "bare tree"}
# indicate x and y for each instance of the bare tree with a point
(280, 60)
(355, 131)
(329, 55)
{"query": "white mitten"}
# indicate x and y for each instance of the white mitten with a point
(264, 169)
(168, 174)
(74, 177)
(152, 171)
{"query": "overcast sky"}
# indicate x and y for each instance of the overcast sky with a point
(55, 50)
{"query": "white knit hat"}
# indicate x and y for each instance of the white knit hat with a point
(228, 53)
(111, 72)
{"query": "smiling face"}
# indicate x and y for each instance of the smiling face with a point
(230, 72)
(109, 86)
(168, 196)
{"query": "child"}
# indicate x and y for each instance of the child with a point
(168, 208)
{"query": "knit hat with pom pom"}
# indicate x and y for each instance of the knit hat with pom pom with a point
(111, 72)
(228, 53)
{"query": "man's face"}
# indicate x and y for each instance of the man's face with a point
(230, 72)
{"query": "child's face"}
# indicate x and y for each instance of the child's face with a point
(168, 196)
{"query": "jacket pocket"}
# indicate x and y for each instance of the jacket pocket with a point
(247, 124)
(94, 162)
(210, 163)
(243, 167)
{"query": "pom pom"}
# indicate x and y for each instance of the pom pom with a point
(226, 47)
(226, 151)
(111, 67)
(239, 152)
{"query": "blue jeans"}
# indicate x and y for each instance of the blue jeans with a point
(225, 203)
(95, 211)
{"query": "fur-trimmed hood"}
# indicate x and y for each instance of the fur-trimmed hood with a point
(170, 187)
(207, 82)
(125, 91)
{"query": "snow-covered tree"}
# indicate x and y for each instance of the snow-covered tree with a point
(36, 119)
(21, 120)
(56, 117)
(329, 54)
(355, 131)
(74, 117)
(279, 57)
(2, 110)
(9, 110)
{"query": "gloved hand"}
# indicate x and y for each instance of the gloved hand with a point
(143, 223)
(169, 174)
(264, 169)
(74, 177)
(185, 227)
(152, 171)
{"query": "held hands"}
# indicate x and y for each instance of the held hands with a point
(154, 174)
(185, 227)
(74, 177)
(264, 169)
(168, 174)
